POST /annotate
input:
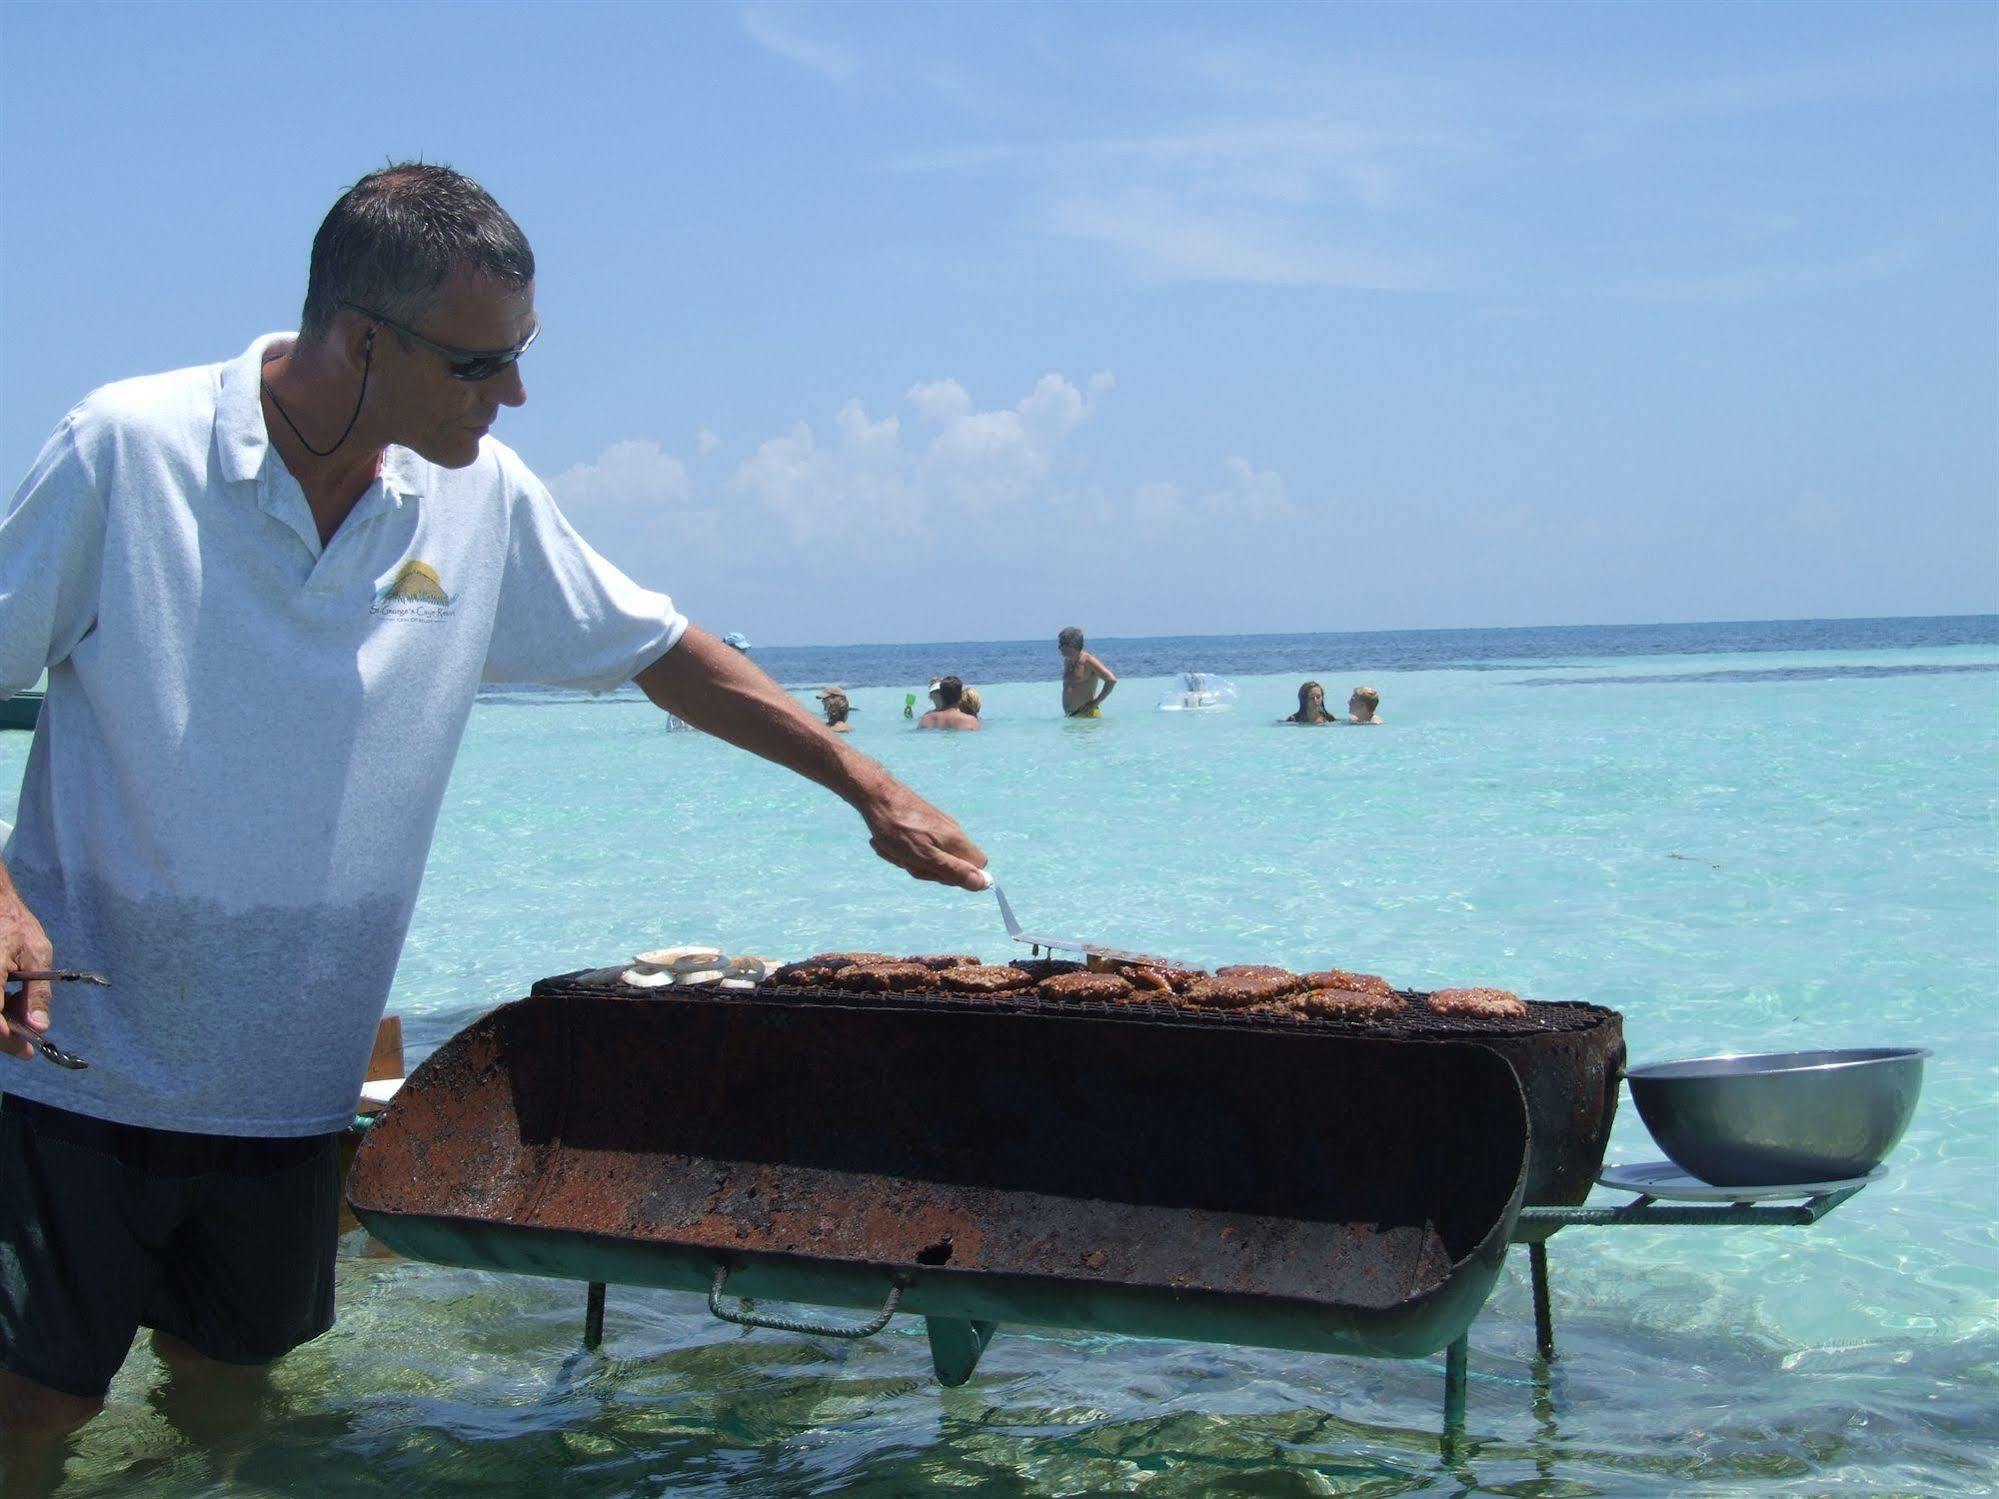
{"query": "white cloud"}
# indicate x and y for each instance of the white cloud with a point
(857, 486)
(628, 476)
(868, 481)
(1770, 282)
(1158, 511)
(1252, 496)
(1173, 241)
(1811, 82)
(865, 483)
(940, 401)
(1055, 405)
(1251, 505)
(954, 479)
(836, 64)
(985, 462)
(1333, 191)
(1291, 166)
(634, 502)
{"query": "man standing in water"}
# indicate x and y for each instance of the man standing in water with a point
(265, 592)
(1086, 681)
(949, 712)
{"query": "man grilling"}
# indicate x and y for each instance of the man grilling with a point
(265, 592)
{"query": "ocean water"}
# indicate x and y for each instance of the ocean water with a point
(1745, 837)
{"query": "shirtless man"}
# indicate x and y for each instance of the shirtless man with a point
(1086, 681)
(1362, 704)
(948, 714)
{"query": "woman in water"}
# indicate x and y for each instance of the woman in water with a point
(834, 701)
(1311, 705)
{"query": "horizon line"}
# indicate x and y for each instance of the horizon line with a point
(1652, 624)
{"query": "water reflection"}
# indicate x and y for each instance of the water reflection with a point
(446, 1381)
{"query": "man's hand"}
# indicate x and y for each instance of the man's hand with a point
(1104, 675)
(716, 689)
(24, 947)
(913, 835)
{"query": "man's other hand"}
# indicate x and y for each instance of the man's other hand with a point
(24, 947)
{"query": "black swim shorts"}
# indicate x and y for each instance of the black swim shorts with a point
(224, 1242)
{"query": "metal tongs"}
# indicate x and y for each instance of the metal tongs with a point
(43, 1044)
(1041, 940)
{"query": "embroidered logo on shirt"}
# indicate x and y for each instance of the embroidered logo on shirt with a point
(416, 592)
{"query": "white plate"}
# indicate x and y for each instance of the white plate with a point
(1662, 1179)
(647, 978)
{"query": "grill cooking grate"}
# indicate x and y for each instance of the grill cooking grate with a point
(1415, 1023)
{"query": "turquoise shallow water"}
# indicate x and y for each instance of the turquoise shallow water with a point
(1759, 851)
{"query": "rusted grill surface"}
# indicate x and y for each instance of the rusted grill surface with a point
(1569, 1056)
(1331, 1170)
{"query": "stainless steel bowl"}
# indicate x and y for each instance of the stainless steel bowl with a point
(1786, 1116)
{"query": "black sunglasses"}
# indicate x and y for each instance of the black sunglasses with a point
(464, 364)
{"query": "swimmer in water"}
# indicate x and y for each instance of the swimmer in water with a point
(834, 701)
(948, 714)
(1311, 705)
(1086, 681)
(1362, 705)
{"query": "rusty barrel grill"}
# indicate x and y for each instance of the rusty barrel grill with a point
(1134, 1169)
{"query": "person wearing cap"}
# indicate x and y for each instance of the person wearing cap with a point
(948, 714)
(265, 593)
(834, 701)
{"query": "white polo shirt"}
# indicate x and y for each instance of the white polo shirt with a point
(232, 790)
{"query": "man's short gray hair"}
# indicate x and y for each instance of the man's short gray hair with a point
(396, 236)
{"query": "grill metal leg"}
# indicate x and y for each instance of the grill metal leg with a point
(1544, 1316)
(955, 1346)
(593, 1317)
(1455, 1360)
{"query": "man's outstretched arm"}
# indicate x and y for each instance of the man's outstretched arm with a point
(722, 692)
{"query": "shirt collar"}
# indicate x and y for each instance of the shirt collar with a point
(240, 438)
(243, 442)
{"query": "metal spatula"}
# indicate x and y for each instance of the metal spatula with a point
(1041, 940)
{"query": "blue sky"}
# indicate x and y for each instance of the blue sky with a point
(887, 322)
